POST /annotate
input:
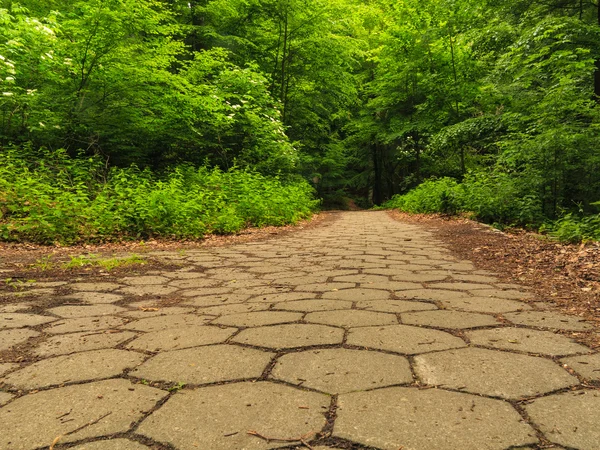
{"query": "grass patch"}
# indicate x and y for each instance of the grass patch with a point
(76, 262)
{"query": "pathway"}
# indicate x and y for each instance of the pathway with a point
(361, 333)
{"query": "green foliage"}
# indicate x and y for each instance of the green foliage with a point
(431, 196)
(573, 228)
(52, 198)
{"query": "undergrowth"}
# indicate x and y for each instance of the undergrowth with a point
(497, 199)
(47, 197)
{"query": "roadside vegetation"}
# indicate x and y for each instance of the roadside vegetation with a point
(122, 119)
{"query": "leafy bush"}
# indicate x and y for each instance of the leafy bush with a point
(574, 229)
(48, 197)
(431, 196)
(489, 197)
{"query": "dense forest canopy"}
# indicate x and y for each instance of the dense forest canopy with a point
(495, 102)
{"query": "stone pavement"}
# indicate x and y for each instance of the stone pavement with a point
(360, 333)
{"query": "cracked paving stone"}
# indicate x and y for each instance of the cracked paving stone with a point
(281, 297)
(181, 337)
(492, 372)
(14, 336)
(194, 283)
(548, 319)
(224, 310)
(432, 294)
(448, 319)
(164, 322)
(588, 366)
(75, 412)
(84, 366)
(85, 324)
(569, 419)
(290, 336)
(90, 286)
(5, 397)
(203, 365)
(340, 370)
(399, 417)
(526, 340)
(7, 367)
(155, 290)
(510, 294)
(485, 305)
(357, 294)
(17, 320)
(323, 287)
(147, 311)
(112, 444)
(394, 306)
(257, 319)
(351, 318)
(217, 300)
(145, 280)
(314, 305)
(269, 409)
(63, 344)
(460, 286)
(71, 312)
(95, 297)
(403, 339)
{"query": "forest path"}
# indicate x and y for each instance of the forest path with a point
(363, 332)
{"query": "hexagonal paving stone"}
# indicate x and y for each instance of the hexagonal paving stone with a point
(70, 312)
(417, 277)
(112, 444)
(81, 342)
(448, 319)
(485, 305)
(94, 409)
(5, 397)
(290, 336)
(587, 366)
(314, 305)
(432, 294)
(224, 310)
(181, 337)
(90, 286)
(194, 283)
(324, 287)
(548, 319)
(85, 324)
(203, 365)
(217, 300)
(394, 306)
(145, 280)
(281, 297)
(491, 372)
(362, 278)
(459, 286)
(340, 370)
(399, 417)
(7, 367)
(269, 409)
(12, 337)
(95, 297)
(351, 318)
(525, 340)
(357, 294)
(148, 290)
(71, 368)
(170, 321)
(505, 293)
(17, 320)
(569, 419)
(144, 312)
(403, 339)
(257, 319)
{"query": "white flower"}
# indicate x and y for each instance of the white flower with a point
(7, 94)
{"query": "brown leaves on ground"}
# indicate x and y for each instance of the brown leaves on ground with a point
(566, 275)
